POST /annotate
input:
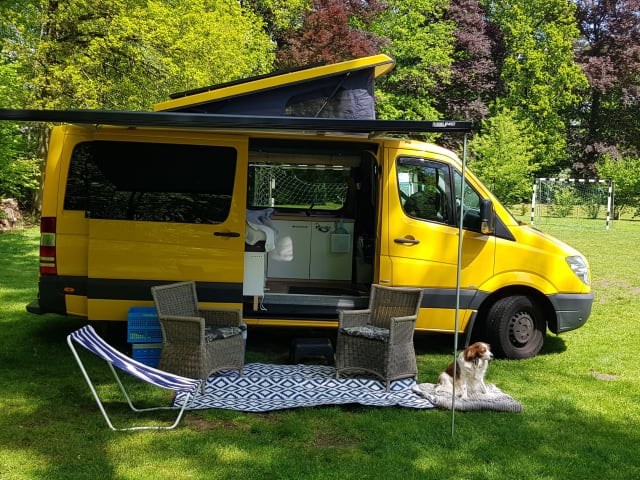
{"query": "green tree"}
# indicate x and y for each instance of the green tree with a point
(503, 157)
(541, 80)
(625, 173)
(128, 55)
(422, 44)
(280, 17)
(18, 164)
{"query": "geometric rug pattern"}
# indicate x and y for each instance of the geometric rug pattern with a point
(266, 387)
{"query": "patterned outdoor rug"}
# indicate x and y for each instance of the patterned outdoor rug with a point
(265, 387)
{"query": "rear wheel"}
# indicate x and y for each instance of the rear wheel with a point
(515, 327)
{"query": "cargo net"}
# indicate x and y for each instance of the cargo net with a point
(572, 202)
(292, 186)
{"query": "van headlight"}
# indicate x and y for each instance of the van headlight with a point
(580, 268)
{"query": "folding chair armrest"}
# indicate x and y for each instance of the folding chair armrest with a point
(353, 318)
(222, 317)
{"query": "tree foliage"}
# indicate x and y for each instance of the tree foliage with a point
(478, 55)
(504, 156)
(541, 80)
(421, 42)
(625, 173)
(331, 31)
(121, 54)
(280, 17)
(19, 169)
(609, 53)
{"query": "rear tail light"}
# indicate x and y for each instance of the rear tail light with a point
(48, 264)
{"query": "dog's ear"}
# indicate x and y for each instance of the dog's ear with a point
(471, 352)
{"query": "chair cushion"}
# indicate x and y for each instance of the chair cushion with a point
(212, 334)
(368, 331)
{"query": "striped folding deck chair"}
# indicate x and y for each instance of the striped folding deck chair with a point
(89, 339)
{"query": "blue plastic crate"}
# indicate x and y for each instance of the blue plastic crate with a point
(143, 325)
(147, 353)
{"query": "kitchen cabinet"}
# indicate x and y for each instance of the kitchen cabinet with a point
(311, 249)
(290, 258)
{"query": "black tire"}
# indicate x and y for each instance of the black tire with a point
(515, 327)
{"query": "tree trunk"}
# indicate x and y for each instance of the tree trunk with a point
(44, 133)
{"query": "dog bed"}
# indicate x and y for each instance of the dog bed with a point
(495, 399)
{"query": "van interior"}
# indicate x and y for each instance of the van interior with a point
(311, 227)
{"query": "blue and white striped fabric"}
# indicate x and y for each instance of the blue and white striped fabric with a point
(89, 339)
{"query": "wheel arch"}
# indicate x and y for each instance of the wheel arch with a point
(539, 298)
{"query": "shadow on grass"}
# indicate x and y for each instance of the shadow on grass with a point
(553, 345)
(47, 417)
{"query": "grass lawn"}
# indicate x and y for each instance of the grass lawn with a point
(581, 399)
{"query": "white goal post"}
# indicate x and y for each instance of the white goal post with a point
(572, 201)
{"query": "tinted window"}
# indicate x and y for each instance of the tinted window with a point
(151, 182)
(471, 203)
(424, 189)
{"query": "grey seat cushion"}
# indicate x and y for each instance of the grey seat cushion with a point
(367, 331)
(212, 334)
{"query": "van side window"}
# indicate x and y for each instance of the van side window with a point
(151, 182)
(424, 188)
(471, 203)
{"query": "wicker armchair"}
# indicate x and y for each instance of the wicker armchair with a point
(379, 340)
(197, 342)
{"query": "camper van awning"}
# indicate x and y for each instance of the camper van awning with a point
(207, 121)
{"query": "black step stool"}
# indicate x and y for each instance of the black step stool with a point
(302, 348)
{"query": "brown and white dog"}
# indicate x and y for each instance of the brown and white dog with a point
(472, 364)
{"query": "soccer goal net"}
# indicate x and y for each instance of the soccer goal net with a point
(572, 202)
(309, 186)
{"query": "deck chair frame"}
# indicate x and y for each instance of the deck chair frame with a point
(90, 340)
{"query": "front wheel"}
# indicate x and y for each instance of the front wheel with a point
(515, 327)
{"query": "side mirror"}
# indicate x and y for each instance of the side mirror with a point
(487, 216)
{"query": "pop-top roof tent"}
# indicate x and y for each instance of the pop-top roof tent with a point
(341, 90)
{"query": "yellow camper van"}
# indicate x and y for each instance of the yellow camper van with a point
(291, 210)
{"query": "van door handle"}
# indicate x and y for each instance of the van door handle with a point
(409, 241)
(226, 234)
